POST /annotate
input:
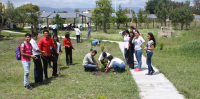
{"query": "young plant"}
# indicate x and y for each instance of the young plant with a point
(101, 97)
(102, 48)
(60, 37)
(161, 45)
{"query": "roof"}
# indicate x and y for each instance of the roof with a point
(63, 15)
(153, 16)
(89, 15)
(45, 14)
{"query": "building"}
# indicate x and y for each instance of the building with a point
(88, 11)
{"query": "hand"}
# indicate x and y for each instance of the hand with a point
(58, 53)
(68, 46)
(73, 48)
(145, 48)
(44, 52)
(127, 48)
(34, 57)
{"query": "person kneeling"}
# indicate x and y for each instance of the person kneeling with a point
(96, 43)
(89, 62)
(116, 63)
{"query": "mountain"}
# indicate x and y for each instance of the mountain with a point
(49, 9)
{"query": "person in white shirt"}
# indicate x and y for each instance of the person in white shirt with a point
(115, 63)
(105, 62)
(138, 41)
(78, 32)
(38, 71)
(125, 35)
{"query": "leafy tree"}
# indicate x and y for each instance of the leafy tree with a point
(121, 17)
(147, 20)
(135, 19)
(105, 10)
(2, 8)
(113, 20)
(162, 10)
(141, 17)
(58, 20)
(10, 13)
(150, 6)
(96, 17)
(196, 6)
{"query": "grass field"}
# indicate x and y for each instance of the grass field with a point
(75, 83)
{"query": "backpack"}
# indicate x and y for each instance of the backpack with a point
(18, 52)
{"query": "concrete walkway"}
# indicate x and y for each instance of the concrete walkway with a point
(156, 86)
(13, 32)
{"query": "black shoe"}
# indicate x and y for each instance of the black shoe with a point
(31, 85)
(152, 72)
(148, 74)
(42, 83)
(56, 75)
(28, 87)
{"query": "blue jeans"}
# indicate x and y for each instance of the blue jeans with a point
(125, 54)
(89, 35)
(138, 55)
(118, 66)
(26, 65)
(149, 56)
(40, 30)
(90, 67)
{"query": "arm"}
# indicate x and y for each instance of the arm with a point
(35, 48)
(54, 46)
(100, 58)
(147, 48)
(23, 54)
(142, 40)
(40, 44)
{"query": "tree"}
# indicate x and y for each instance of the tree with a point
(2, 8)
(105, 10)
(183, 15)
(196, 6)
(150, 6)
(58, 20)
(162, 10)
(10, 13)
(135, 19)
(141, 17)
(77, 10)
(147, 20)
(96, 17)
(121, 17)
(113, 20)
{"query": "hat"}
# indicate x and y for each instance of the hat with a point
(133, 27)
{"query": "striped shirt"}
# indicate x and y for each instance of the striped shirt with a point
(149, 45)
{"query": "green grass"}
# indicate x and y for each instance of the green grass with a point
(75, 82)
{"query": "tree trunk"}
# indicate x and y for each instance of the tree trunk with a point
(182, 26)
(186, 26)
(118, 25)
(105, 31)
(0, 30)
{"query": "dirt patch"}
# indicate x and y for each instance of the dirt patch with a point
(98, 73)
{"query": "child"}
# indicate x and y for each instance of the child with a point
(149, 48)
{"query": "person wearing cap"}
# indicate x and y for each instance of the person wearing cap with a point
(133, 28)
(89, 30)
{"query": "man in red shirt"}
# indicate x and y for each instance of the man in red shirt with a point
(44, 44)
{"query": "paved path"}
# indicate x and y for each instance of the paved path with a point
(12, 32)
(156, 86)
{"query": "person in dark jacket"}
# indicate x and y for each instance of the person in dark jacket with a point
(131, 51)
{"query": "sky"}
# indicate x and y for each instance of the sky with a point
(79, 3)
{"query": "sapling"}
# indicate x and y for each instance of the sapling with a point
(102, 48)
(161, 45)
(60, 37)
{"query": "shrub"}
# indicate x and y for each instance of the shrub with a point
(161, 44)
(102, 48)
(101, 97)
(60, 37)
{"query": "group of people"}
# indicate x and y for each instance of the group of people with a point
(47, 49)
(133, 43)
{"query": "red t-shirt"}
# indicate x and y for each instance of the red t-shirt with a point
(44, 44)
(67, 42)
(27, 48)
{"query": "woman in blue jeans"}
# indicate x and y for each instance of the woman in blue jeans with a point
(149, 47)
(138, 41)
(125, 35)
(115, 63)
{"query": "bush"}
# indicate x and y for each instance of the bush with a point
(102, 48)
(101, 97)
(161, 44)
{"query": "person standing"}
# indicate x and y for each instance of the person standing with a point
(38, 71)
(133, 29)
(149, 48)
(89, 62)
(116, 63)
(40, 28)
(44, 44)
(125, 35)
(78, 32)
(26, 55)
(138, 41)
(131, 50)
(89, 30)
(32, 28)
(68, 48)
(55, 27)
